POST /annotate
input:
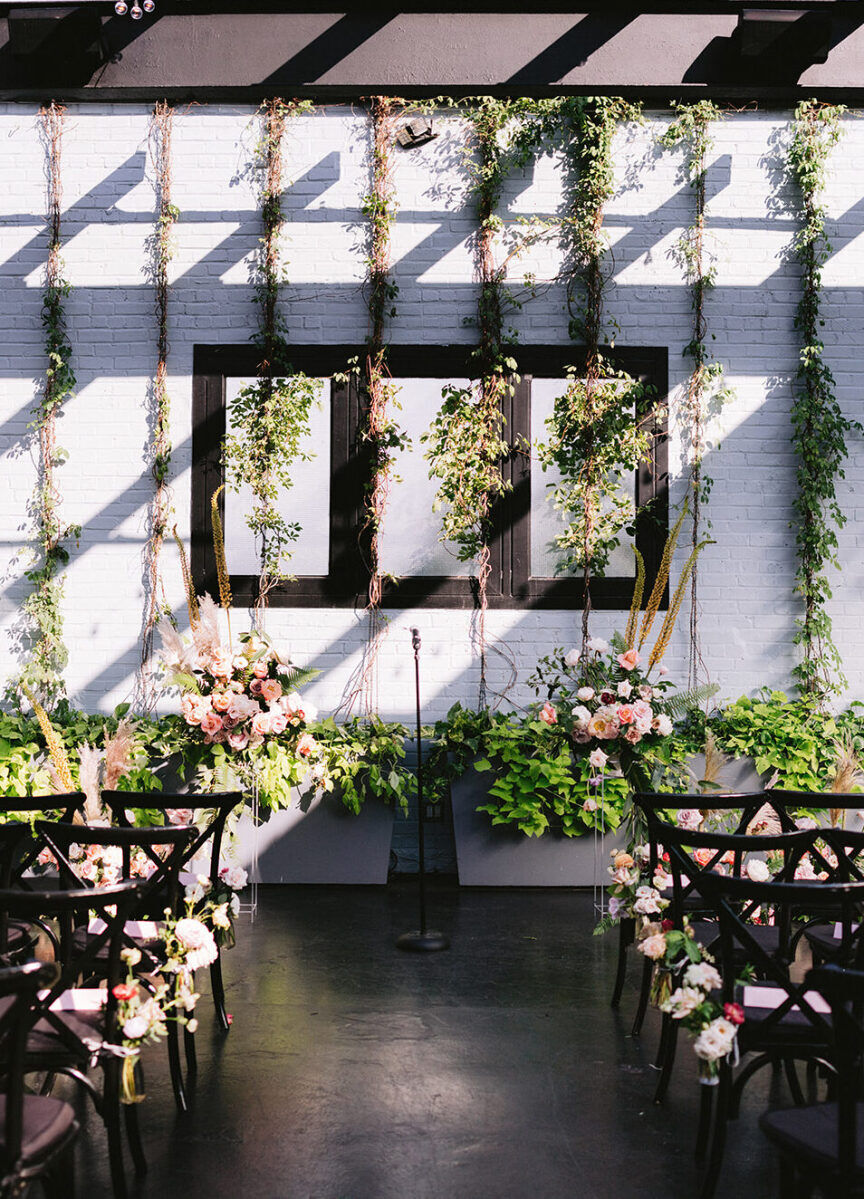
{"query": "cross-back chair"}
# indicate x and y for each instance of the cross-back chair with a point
(210, 814)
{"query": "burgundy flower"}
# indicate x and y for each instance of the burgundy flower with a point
(666, 925)
(734, 1013)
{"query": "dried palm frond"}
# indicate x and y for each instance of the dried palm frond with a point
(662, 578)
(715, 760)
(205, 634)
(91, 760)
(662, 642)
(118, 753)
(638, 589)
(62, 772)
(191, 597)
(847, 775)
(765, 822)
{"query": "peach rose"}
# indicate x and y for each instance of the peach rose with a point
(220, 664)
(625, 714)
(238, 741)
(633, 735)
(189, 707)
(623, 859)
(262, 723)
(628, 660)
(271, 689)
(305, 745)
(211, 723)
(278, 722)
(548, 714)
(221, 701)
(260, 669)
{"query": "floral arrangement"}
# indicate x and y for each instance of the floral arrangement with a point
(218, 901)
(101, 865)
(685, 983)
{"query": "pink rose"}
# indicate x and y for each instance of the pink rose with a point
(633, 735)
(189, 708)
(625, 714)
(261, 724)
(228, 721)
(305, 744)
(221, 700)
(628, 660)
(278, 722)
(211, 723)
(238, 741)
(179, 815)
(220, 664)
(590, 805)
(256, 686)
(548, 714)
(260, 669)
(271, 689)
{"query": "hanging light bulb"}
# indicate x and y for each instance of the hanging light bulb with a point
(137, 12)
(149, 5)
(121, 8)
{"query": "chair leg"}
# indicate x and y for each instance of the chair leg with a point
(133, 1136)
(670, 1042)
(625, 939)
(218, 988)
(717, 1144)
(189, 1050)
(111, 1118)
(175, 1068)
(706, 1104)
(794, 1082)
(644, 995)
(59, 1181)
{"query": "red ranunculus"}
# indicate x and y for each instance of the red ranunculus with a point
(123, 992)
(734, 1013)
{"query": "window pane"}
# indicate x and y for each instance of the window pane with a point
(307, 502)
(409, 542)
(546, 520)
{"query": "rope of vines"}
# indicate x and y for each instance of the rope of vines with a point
(161, 128)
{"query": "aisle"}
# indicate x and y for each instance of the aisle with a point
(493, 1071)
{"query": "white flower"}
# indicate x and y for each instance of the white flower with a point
(234, 876)
(197, 940)
(647, 902)
(702, 974)
(757, 870)
(689, 819)
(805, 822)
(642, 852)
(715, 1040)
(614, 906)
(220, 916)
(585, 694)
(192, 1025)
(581, 716)
(624, 689)
(654, 947)
(662, 881)
(598, 759)
(131, 955)
(571, 658)
(234, 905)
(683, 1001)
(136, 1027)
(662, 724)
(663, 670)
(596, 645)
(590, 805)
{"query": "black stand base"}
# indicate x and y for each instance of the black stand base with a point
(427, 942)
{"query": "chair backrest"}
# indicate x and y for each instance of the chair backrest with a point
(848, 847)
(212, 811)
(162, 854)
(733, 898)
(19, 985)
(844, 991)
(113, 906)
(821, 800)
(50, 807)
(655, 805)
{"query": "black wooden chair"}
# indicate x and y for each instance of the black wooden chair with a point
(822, 1145)
(68, 1038)
(38, 1132)
(783, 1023)
(726, 851)
(158, 891)
(210, 813)
(655, 808)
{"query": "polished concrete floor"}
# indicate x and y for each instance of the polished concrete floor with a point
(494, 1070)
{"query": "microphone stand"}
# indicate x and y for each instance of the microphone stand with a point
(422, 940)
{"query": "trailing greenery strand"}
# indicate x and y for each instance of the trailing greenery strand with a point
(820, 430)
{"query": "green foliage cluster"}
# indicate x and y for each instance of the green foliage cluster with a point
(366, 758)
(820, 429)
(271, 416)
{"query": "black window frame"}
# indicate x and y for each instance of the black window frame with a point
(345, 585)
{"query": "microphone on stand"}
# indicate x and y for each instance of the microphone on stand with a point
(422, 940)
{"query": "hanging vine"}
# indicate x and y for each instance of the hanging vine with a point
(592, 440)
(820, 429)
(705, 391)
(270, 417)
(43, 673)
(162, 251)
(466, 442)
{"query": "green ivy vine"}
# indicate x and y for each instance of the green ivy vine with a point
(162, 251)
(691, 128)
(597, 430)
(820, 429)
(43, 673)
(270, 417)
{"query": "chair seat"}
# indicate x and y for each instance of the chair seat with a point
(44, 1042)
(48, 1124)
(794, 1027)
(823, 942)
(150, 949)
(767, 936)
(811, 1133)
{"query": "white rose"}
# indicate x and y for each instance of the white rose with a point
(757, 871)
(598, 759)
(571, 658)
(596, 645)
(689, 819)
(585, 694)
(235, 877)
(648, 905)
(581, 716)
(662, 724)
(702, 974)
(653, 947)
(198, 942)
(220, 916)
(683, 1001)
(715, 1040)
(136, 1027)
(624, 689)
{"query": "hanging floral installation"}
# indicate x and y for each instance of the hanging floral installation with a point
(162, 251)
(270, 417)
(691, 129)
(43, 673)
(820, 429)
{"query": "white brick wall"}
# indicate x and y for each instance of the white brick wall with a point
(746, 578)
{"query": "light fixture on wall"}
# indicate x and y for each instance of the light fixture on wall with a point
(416, 133)
(137, 11)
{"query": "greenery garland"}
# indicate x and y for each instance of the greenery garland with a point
(162, 251)
(691, 129)
(271, 416)
(820, 429)
(43, 673)
(591, 439)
